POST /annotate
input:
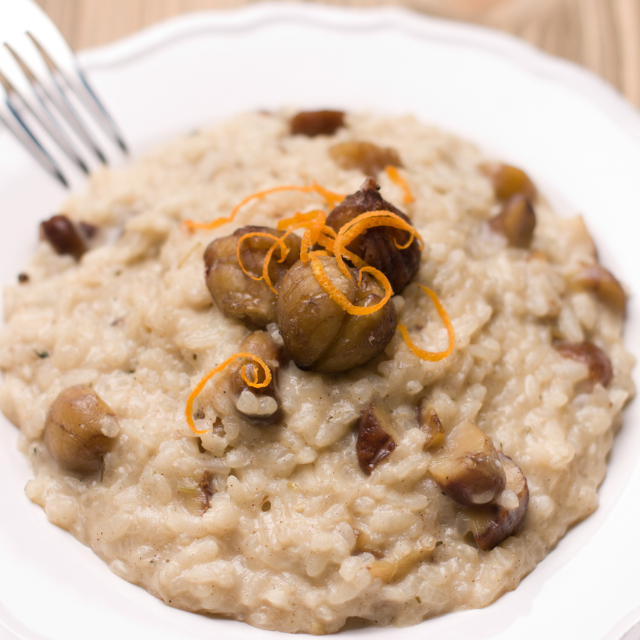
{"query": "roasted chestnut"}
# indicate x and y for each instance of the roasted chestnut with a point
(262, 404)
(379, 246)
(366, 156)
(237, 294)
(318, 333)
(468, 467)
(80, 429)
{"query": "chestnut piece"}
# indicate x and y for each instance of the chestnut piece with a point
(378, 246)
(374, 442)
(63, 236)
(601, 282)
(509, 181)
(318, 333)
(316, 123)
(516, 221)
(80, 429)
(260, 405)
(493, 523)
(468, 467)
(366, 156)
(237, 294)
(206, 490)
(600, 369)
(430, 423)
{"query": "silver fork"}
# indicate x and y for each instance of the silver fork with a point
(47, 98)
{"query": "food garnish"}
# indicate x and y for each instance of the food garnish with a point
(432, 356)
(314, 329)
(232, 265)
(329, 196)
(188, 412)
(398, 180)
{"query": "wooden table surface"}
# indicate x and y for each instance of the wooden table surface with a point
(601, 35)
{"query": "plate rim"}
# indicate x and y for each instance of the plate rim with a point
(413, 23)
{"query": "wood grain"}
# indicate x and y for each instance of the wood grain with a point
(601, 35)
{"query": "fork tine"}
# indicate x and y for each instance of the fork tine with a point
(64, 107)
(16, 103)
(88, 97)
(31, 144)
(48, 100)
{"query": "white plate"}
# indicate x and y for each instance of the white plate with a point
(576, 137)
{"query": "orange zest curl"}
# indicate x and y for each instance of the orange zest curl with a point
(279, 242)
(331, 198)
(368, 220)
(338, 297)
(188, 412)
(399, 181)
(432, 356)
(316, 231)
(297, 220)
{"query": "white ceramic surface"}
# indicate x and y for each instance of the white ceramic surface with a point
(574, 135)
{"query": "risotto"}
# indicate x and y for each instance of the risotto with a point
(238, 417)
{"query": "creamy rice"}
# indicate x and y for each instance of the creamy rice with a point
(277, 546)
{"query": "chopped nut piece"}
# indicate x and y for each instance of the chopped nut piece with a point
(364, 544)
(378, 246)
(603, 284)
(321, 336)
(236, 293)
(430, 423)
(600, 369)
(394, 569)
(263, 406)
(317, 123)
(516, 221)
(509, 181)
(206, 490)
(63, 236)
(80, 429)
(374, 442)
(493, 523)
(366, 156)
(467, 467)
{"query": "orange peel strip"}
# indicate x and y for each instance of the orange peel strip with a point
(367, 220)
(339, 298)
(432, 356)
(329, 196)
(399, 181)
(188, 411)
(297, 219)
(284, 250)
(327, 238)
(267, 259)
(311, 235)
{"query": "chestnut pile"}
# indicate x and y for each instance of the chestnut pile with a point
(318, 334)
